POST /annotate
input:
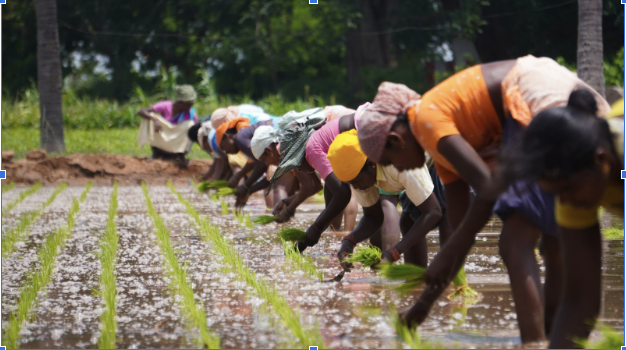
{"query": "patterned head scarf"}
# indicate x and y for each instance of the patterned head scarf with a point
(264, 136)
(293, 143)
(346, 157)
(377, 119)
(223, 115)
(237, 124)
(185, 93)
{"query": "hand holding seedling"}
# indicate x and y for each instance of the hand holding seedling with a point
(417, 313)
(283, 216)
(278, 208)
(344, 252)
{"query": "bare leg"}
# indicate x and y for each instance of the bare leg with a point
(517, 248)
(391, 223)
(553, 286)
(335, 224)
(349, 215)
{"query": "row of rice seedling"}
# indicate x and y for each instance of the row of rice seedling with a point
(180, 283)
(18, 233)
(108, 290)
(8, 187)
(300, 261)
(33, 189)
(46, 256)
(288, 317)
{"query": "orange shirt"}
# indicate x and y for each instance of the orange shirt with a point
(460, 105)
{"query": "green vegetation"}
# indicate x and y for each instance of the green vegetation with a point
(19, 232)
(21, 196)
(105, 141)
(9, 186)
(206, 186)
(224, 206)
(108, 290)
(223, 192)
(461, 289)
(367, 256)
(35, 281)
(613, 233)
(300, 261)
(264, 219)
(611, 339)
(288, 317)
(248, 222)
(292, 234)
(178, 273)
(412, 276)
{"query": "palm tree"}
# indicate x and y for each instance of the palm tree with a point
(49, 78)
(590, 48)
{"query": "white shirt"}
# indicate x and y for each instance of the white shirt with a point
(417, 183)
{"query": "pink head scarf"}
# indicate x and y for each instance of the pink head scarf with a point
(224, 115)
(376, 120)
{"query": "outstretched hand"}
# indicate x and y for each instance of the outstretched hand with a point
(344, 252)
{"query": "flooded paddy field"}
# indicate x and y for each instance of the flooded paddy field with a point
(237, 285)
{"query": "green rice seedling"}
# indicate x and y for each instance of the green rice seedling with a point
(224, 206)
(461, 289)
(180, 283)
(238, 215)
(611, 339)
(412, 276)
(206, 186)
(34, 189)
(249, 224)
(302, 262)
(292, 234)
(8, 187)
(367, 256)
(613, 233)
(264, 219)
(279, 306)
(36, 280)
(108, 290)
(19, 232)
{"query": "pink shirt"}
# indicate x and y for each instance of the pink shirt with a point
(318, 145)
(165, 109)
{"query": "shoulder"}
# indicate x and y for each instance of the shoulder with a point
(161, 105)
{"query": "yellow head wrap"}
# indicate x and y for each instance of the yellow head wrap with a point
(346, 157)
(617, 109)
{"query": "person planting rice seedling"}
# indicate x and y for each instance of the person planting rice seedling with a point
(265, 146)
(377, 189)
(577, 156)
(166, 124)
(235, 136)
(223, 165)
(462, 124)
(305, 147)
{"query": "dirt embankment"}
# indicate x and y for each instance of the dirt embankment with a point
(78, 169)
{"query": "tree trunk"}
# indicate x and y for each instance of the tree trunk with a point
(590, 50)
(49, 78)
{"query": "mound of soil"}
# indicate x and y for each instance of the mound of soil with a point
(78, 169)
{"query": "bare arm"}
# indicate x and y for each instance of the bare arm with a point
(145, 113)
(431, 215)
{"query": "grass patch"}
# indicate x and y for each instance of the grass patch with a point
(108, 290)
(288, 317)
(292, 234)
(99, 141)
(613, 233)
(18, 233)
(180, 284)
(366, 255)
(8, 187)
(300, 261)
(35, 281)
(33, 189)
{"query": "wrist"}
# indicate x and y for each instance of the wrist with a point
(289, 214)
(395, 254)
(350, 240)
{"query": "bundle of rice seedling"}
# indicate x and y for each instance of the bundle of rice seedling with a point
(610, 339)
(367, 256)
(292, 234)
(264, 219)
(461, 289)
(206, 186)
(224, 191)
(412, 276)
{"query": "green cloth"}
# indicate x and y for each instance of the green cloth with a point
(381, 191)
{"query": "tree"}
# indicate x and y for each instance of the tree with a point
(590, 49)
(49, 78)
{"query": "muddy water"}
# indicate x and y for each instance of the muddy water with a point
(354, 313)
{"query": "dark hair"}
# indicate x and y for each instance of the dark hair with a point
(559, 142)
(192, 133)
